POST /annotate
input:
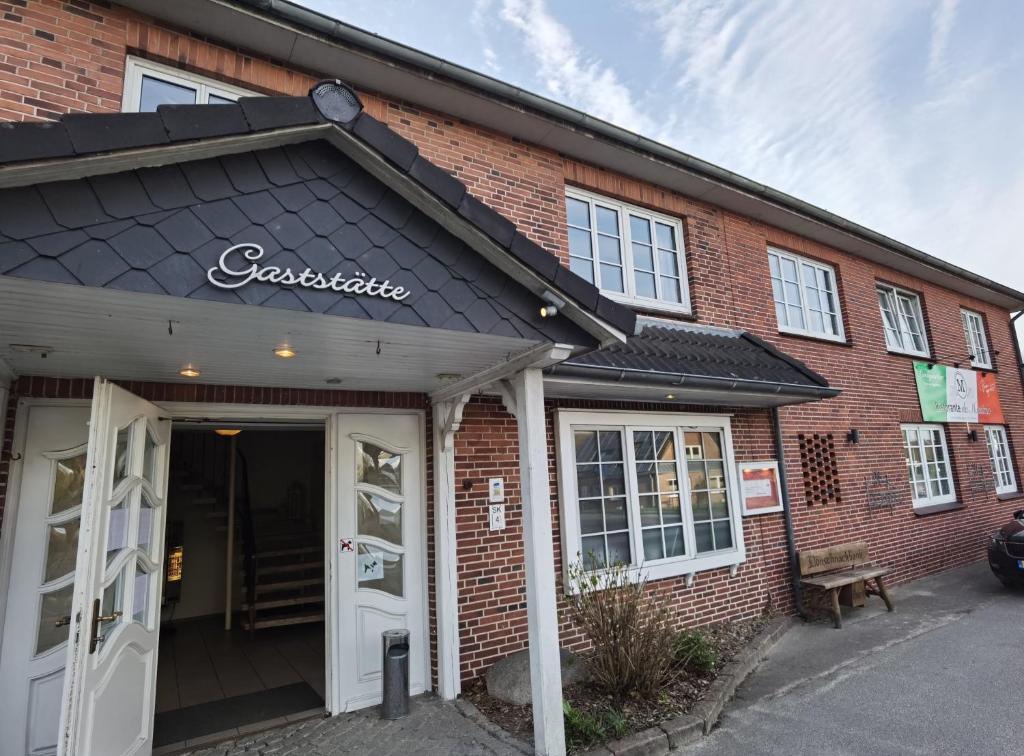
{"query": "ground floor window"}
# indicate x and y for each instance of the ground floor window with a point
(931, 477)
(648, 490)
(999, 455)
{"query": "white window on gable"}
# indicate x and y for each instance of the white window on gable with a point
(633, 255)
(148, 85)
(902, 321)
(806, 299)
(999, 456)
(652, 491)
(977, 341)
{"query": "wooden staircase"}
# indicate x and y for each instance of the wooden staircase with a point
(289, 585)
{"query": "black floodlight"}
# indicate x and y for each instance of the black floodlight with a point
(335, 101)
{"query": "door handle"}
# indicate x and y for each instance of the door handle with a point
(97, 620)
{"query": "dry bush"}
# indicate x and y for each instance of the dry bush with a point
(633, 639)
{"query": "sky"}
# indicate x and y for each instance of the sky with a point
(906, 116)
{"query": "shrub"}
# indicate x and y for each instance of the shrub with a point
(633, 643)
(694, 652)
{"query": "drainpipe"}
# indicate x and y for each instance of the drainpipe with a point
(787, 514)
(1016, 344)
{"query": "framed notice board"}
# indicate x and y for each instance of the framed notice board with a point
(759, 487)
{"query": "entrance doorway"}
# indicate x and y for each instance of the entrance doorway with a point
(242, 637)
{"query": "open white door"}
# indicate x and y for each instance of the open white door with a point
(112, 653)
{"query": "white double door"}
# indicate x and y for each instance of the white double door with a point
(78, 652)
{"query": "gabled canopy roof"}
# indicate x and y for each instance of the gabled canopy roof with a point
(81, 145)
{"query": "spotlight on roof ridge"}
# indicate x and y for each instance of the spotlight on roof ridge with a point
(335, 101)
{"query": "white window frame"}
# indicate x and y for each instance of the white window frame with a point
(568, 421)
(929, 500)
(977, 339)
(999, 446)
(800, 262)
(895, 295)
(135, 68)
(624, 210)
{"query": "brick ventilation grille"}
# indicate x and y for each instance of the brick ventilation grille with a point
(820, 468)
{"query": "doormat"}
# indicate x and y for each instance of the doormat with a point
(180, 725)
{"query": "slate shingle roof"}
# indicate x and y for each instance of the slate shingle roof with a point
(663, 353)
(78, 135)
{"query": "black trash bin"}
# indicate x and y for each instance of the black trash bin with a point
(395, 665)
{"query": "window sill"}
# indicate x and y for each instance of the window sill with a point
(818, 339)
(652, 306)
(684, 568)
(1010, 496)
(909, 355)
(938, 508)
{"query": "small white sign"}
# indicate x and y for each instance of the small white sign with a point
(370, 565)
(496, 514)
(496, 489)
(759, 487)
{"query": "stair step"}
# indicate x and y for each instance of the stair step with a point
(278, 603)
(284, 584)
(275, 569)
(294, 619)
(288, 551)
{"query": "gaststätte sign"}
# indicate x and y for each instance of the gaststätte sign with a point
(957, 395)
(238, 266)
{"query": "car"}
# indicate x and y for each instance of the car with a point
(1006, 552)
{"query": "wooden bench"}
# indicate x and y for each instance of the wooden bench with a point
(839, 566)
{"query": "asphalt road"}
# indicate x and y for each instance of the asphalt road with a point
(943, 674)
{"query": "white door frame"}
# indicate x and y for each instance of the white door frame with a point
(328, 415)
(244, 412)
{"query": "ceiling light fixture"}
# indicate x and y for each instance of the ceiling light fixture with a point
(227, 431)
(670, 396)
(551, 306)
(189, 371)
(285, 351)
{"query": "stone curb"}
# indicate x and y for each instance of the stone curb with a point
(689, 728)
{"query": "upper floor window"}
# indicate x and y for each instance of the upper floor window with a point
(631, 254)
(806, 301)
(148, 85)
(902, 320)
(977, 343)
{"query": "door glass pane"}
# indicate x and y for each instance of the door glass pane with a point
(149, 458)
(117, 529)
(378, 467)
(112, 602)
(68, 480)
(591, 516)
(159, 92)
(380, 517)
(652, 544)
(586, 446)
(145, 523)
(55, 606)
(615, 514)
(380, 569)
(618, 548)
(674, 542)
(140, 605)
(122, 449)
(592, 552)
(61, 549)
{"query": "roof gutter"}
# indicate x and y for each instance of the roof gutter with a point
(438, 67)
(683, 380)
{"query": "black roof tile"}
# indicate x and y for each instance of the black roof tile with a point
(438, 181)
(490, 221)
(245, 172)
(284, 299)
(179, 274)
(260, 207)
(289, 229)
(73, 204)
(94, 263)
(136, 280)
(184, 231)
(44, 269)
(106, 132)
(293, 197)
(13, 254)
(264, 113)
(321, 218)
(187, 122)
(141, 247)
(386, 141)
(33, 141)
(535, 257)
(703, 353)
(584, 292)
(55, 245)
(223, 217)
(277, 167)
(23, 214)
(167, 187)
(121, 194)
(319, 254)
(208, 180)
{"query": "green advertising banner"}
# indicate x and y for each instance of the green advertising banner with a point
(956, 395)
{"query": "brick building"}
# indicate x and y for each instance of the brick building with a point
(362, 271)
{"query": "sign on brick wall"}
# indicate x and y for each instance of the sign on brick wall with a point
(957, 395)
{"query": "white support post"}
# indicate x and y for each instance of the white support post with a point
(447, 417)
(229, 557)
(545, 665)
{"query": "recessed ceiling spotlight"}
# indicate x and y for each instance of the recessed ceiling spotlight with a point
(670, 396)
(285, 351)
(227, 431)
(189, 371)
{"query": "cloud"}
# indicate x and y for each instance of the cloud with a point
(942, 27)
(568, 73)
